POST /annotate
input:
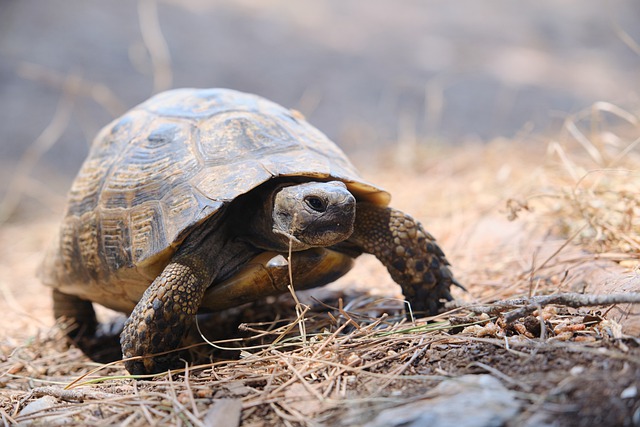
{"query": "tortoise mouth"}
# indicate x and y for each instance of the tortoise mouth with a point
(329, 230)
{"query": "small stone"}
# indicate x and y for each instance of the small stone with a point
(629, 392)
(224, 412)
(41, 404)
(277, 261)
(576, 370)
(485, 400)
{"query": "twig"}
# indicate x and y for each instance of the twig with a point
(301, 377)
(624, 36)
(571, 300)
(395, 375)
(98, 92)
(497, 373)
(588, 146)
(70, 395)
(535, 269)
(6, 418)
(49, 136)
(156, 44)
(529, 305)
(300, 308)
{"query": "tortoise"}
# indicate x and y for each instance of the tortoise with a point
(190, 202)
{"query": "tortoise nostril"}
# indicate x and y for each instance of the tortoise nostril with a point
(316, 203)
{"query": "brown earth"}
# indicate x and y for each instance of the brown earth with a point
(517, 218)
(359, 358)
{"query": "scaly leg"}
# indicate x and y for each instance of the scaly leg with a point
(163, 315)
(99, 342)
(410, 253)
(162, 318)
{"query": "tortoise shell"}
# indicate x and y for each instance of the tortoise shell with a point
(168, 165)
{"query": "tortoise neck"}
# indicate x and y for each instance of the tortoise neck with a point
(214, 251)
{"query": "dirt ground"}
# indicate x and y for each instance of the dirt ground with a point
(407, 91)
(537, 219)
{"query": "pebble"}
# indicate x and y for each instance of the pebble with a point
(466, 401)
(41, 404)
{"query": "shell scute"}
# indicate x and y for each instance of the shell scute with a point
(146, 225)
(116, 238)
(237, 134)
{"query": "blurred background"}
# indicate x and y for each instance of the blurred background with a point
(373, 75)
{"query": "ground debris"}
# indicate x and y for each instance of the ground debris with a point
(223, 413)
(529, 305)
(466, 401)
(362, 359)
(75, 395)
(41, 404)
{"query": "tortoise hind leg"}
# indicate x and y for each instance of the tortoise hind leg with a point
(410, 253)
(99, 342)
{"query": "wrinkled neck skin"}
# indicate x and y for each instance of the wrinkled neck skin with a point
(214, 250)
(261, 232)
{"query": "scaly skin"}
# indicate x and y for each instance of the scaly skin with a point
(410, 253)
(162, 317)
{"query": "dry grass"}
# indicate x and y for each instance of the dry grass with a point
(352, 356)
(574, 208)
(593, 188)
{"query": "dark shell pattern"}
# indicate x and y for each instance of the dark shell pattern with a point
(172, 162)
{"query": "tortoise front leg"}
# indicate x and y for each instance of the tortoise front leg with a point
(410, 253)
(166, 310)
(99, 342)
(162, 318)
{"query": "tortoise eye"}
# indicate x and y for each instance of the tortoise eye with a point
(316, 203)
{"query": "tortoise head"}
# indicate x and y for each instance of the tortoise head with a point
(311, 214)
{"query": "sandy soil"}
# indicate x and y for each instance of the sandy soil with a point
(521, 217)
(578, 367)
